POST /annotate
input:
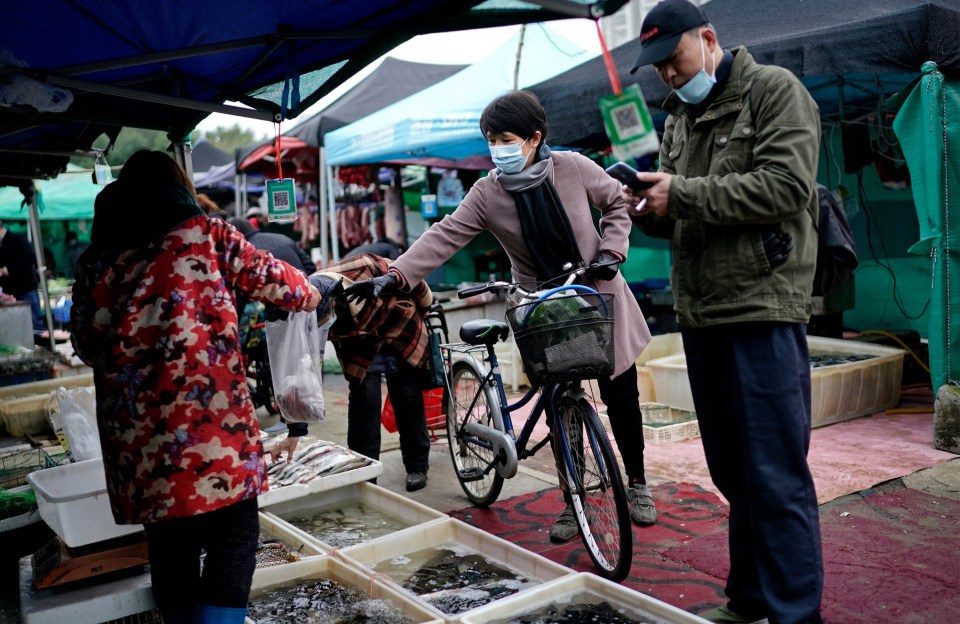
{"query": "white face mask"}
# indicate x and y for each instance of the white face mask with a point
(508, 158)
(697, 88)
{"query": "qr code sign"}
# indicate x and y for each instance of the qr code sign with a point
(627, 120)
(281, 199)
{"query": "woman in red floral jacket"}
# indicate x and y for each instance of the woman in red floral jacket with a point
(153, 314)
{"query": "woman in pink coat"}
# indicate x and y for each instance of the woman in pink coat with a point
(537, 203)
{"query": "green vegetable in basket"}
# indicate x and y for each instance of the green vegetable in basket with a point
(13, 504)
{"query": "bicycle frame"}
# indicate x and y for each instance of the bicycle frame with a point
(546, 397)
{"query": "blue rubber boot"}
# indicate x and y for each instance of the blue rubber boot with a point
(210, 614)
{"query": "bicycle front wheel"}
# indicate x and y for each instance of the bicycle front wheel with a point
(592, 476)
(472, 401)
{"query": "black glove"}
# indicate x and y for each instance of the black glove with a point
(777, 247)
(604, 267)
(373, 288)
(329, 288)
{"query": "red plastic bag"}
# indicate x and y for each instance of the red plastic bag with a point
(432, 407)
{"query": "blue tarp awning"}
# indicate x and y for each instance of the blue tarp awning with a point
(99, 65)
(442, 121)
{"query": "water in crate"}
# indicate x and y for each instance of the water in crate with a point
(452, 578)
(579, 613)
(818, 360)
(347, 525)
(323, 601)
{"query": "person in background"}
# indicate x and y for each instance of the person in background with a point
(74, 250)
(383, 337)
(18, 272)
(538, 205)
(737, 194)
(154, 316)
(210, 207)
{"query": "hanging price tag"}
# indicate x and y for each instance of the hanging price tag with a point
(628, 124)
(102, 174)
(428, 206)
(281, 200)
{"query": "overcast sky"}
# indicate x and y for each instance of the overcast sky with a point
(456, 48)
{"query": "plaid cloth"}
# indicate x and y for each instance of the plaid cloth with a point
(397, 320)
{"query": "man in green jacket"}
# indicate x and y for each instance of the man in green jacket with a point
(736, 193)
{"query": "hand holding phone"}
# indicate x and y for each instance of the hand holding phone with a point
(625, 174)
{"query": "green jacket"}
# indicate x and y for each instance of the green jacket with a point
(748, 164)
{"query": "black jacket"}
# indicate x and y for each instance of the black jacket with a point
(17, 255)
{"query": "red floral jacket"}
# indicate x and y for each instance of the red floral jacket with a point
(159, 327)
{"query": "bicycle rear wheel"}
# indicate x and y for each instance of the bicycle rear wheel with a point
(472, 401)
(592, 475)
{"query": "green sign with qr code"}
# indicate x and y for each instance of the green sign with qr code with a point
(628, 124)
(281, 200)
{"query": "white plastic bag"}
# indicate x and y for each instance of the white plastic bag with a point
(75, 423)
(295, 348)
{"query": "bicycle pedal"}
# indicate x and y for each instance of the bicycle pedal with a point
(471, 474)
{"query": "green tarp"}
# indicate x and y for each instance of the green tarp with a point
(67, 197)
(928, 126)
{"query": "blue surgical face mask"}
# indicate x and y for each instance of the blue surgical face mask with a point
(699, 86)
(509, 158)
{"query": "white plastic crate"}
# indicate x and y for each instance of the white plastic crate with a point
(373, 497)
(272, 529)
(73, 501)
(274, 578)
(839, 392)
(452, 531)
(582, 588)
(294, 491)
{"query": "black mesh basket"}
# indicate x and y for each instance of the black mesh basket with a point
(565, 337)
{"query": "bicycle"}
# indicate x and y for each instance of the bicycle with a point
(483, 445)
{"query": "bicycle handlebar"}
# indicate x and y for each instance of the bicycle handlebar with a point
(512, 287)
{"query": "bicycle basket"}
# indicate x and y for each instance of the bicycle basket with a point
(565, 336)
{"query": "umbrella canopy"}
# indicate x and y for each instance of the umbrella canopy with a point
(442, 121)
(75, 69)
(850, 55)
(206, 155)
(298, 160)
(390, 82)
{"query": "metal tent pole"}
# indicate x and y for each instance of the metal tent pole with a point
(322, 202)
(41, 267)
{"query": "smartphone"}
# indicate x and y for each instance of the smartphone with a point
(627, 175)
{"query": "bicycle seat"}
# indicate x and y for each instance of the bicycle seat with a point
(484, 331)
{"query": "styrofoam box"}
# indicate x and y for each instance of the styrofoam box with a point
(73, 501)
(453, 531)
(580, 588)
(276, 495)
(839, 392)
(274, 529)
(371, 496)
(277, 577)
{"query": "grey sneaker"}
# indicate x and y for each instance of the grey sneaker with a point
(642, 509)
(565, 528)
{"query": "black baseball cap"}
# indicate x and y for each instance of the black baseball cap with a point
(662, 28)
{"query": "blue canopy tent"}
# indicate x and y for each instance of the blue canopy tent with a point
(74, 70)
(443, 120)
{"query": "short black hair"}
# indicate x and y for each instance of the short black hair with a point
(518, 112)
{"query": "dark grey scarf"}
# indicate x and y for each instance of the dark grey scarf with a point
(543, 221)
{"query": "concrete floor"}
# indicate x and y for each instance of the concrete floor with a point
(845, 457)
